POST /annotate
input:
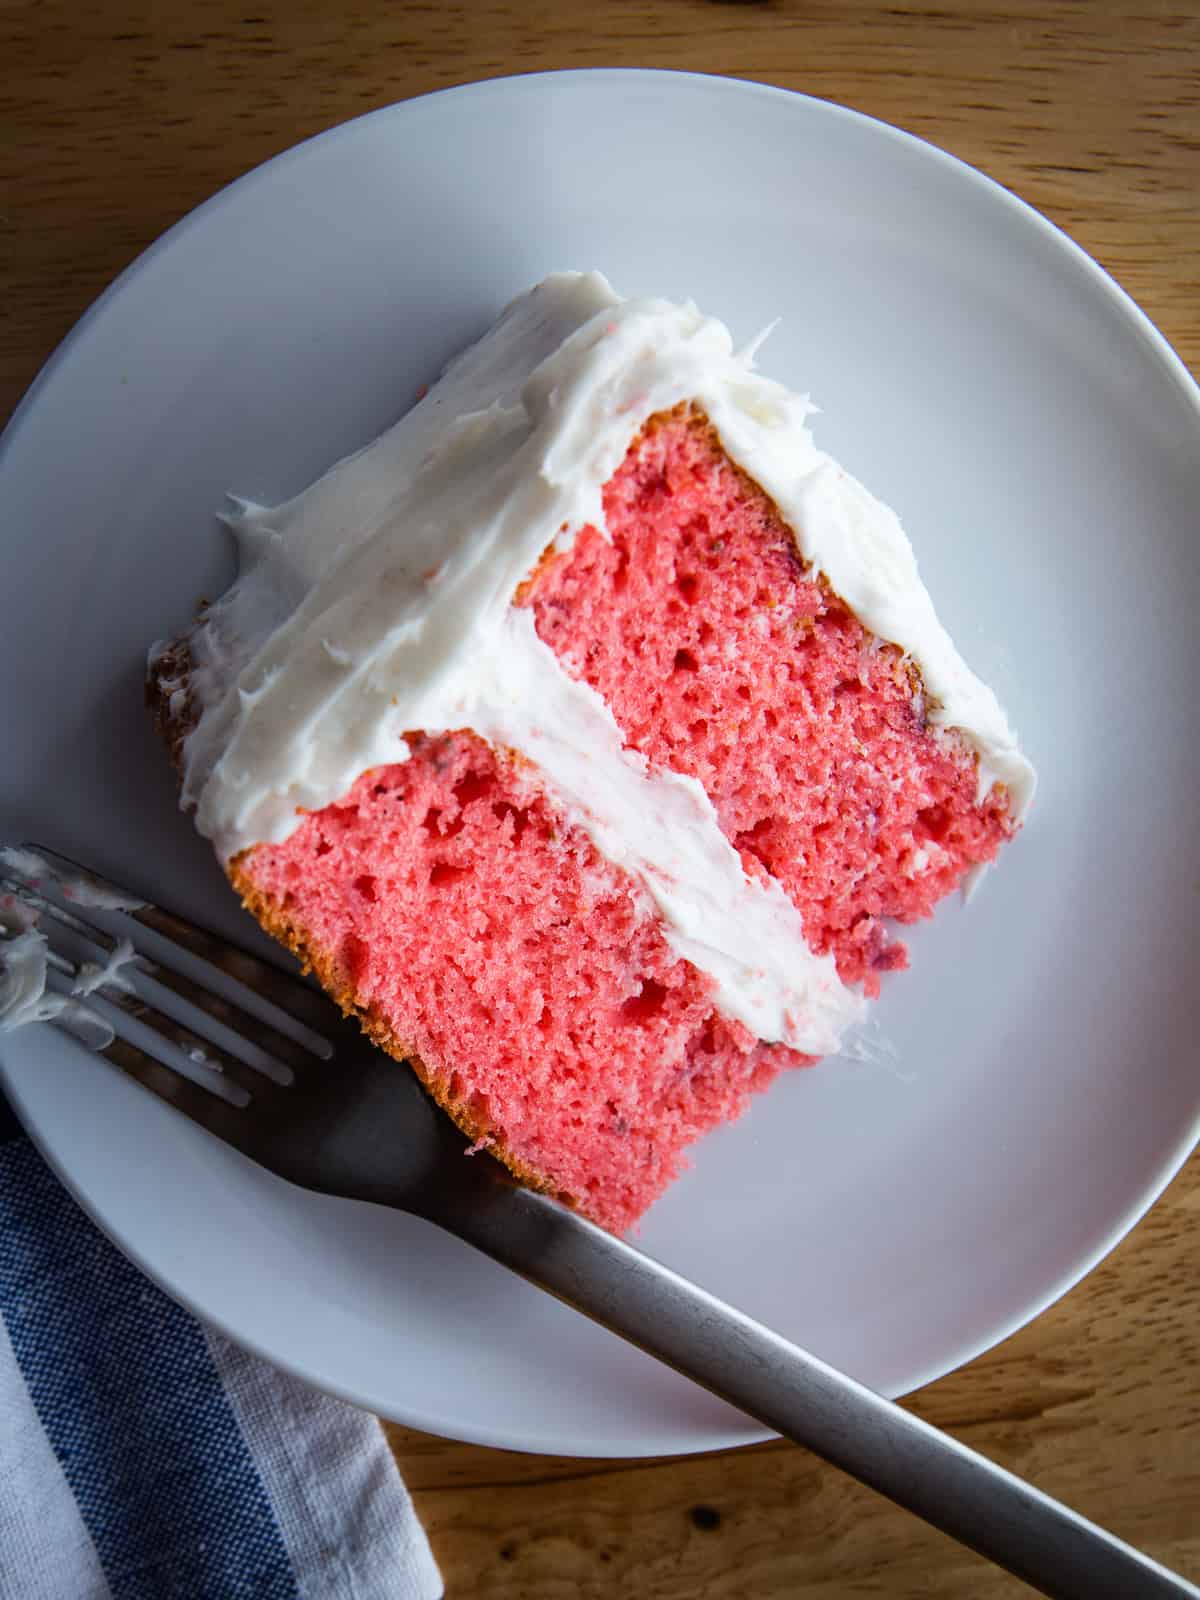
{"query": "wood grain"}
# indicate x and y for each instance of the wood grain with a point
(118, 116)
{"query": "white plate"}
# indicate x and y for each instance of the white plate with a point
(982, 375)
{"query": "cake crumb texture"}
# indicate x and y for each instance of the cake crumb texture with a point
(722, 658)
(446, 901)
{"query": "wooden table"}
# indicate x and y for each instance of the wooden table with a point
(116, 118)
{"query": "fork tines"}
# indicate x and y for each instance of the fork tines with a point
(147, 980)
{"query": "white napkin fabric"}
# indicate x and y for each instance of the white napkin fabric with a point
(145, 1457)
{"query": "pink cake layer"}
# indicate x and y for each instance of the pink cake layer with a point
(446, 901)
(721, 658)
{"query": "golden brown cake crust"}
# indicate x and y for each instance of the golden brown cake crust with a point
(281, 928)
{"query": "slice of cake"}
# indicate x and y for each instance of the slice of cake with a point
(586, 735)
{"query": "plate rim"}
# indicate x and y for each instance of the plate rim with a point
(1122, 305)
(1159, 343)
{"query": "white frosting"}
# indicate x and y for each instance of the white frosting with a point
(379, 602)
(94, 976)
(25, 995)
(33, 871)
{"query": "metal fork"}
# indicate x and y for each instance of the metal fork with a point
(267, 1064)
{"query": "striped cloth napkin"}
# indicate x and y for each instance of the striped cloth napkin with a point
(145, 1457)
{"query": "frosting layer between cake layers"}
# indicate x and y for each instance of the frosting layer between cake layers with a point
(379, 602)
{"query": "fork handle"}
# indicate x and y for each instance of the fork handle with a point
(926, 1471)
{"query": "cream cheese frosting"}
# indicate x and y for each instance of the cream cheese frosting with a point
(379, 602)
(25, 992)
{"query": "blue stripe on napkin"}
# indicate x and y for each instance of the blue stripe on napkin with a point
(126, 1390)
